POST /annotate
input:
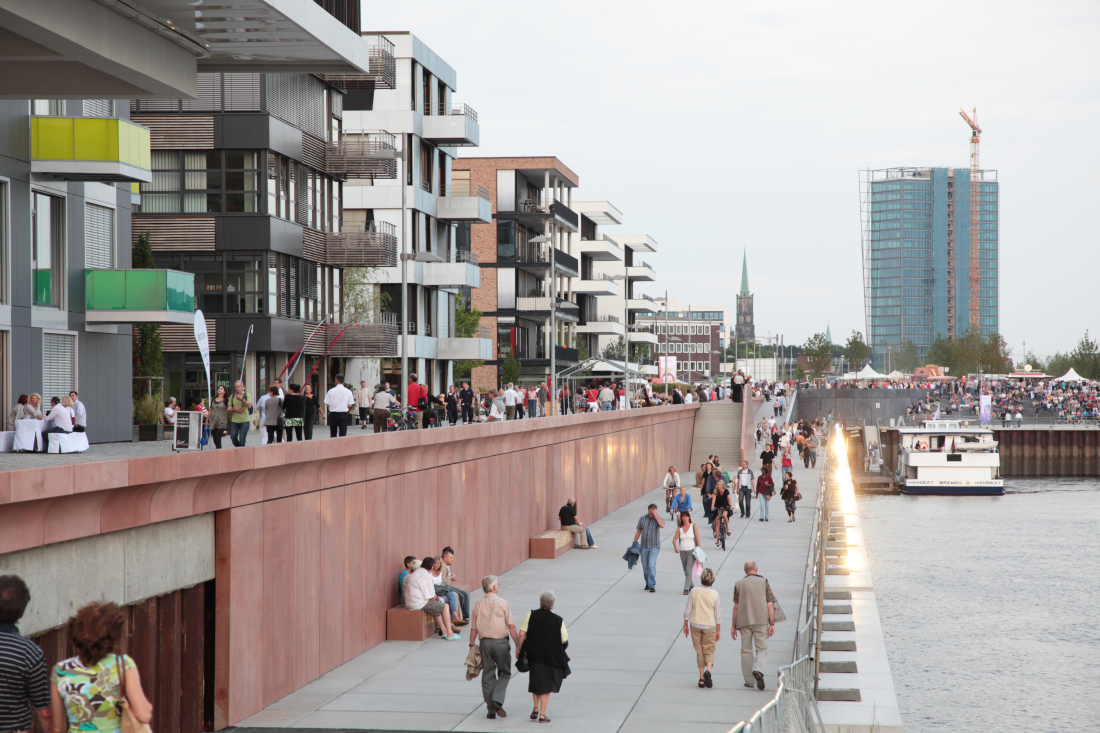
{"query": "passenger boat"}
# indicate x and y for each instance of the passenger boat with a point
(949, 457)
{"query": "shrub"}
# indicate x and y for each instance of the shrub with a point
(147, 411)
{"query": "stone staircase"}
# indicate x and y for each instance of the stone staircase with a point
(717, 431)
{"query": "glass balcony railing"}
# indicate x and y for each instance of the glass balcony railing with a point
(90, 149)
(139, 296)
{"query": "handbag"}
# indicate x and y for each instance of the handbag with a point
(697, 570)
(522, 665)
(777, 612)
(129, 723)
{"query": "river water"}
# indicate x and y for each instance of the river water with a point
(991, 605)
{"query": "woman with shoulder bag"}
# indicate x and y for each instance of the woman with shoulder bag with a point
(543, 640)
(765, 490)
(98, 690)
(684, 541)
(790, 496)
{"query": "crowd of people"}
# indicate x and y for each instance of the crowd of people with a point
(65, 415)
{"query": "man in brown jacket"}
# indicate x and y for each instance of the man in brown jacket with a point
(754, 617)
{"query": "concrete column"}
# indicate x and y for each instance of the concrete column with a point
(546, 185)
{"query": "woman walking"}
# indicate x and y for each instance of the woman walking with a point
(790, 496)
(684, 541)
(294, 411)
(543, 638)
(273, 413)
(218, 417)
(87, 691)
(765, 490)
(703, 622)
(314, 411)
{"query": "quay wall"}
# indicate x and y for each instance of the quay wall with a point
(1032, 451)
(853, 405)
(309, 537)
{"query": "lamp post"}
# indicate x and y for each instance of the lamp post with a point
(550, 291)
(626, 330)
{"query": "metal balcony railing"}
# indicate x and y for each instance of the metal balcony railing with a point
(354, 155)
(602, 318)
(373, 244)
(461, 255)
(456, 108)
(533, 304)
(637, 328)
(555, 207)
(376, 335)
(425, 185)
(639, 263)
(383, 68)
(465, 188)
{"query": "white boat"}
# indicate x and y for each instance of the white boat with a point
(949, 457)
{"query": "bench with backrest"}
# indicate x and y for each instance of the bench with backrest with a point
(551, 544)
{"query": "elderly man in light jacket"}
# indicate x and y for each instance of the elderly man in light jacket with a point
(364, 400)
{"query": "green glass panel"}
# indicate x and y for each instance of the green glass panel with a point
(105, 289)
(43, 287)
(146, 290)
(181, 292)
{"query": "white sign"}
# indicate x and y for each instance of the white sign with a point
(203, 341)
(187, 430)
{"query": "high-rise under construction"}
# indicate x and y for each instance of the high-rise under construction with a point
(916, 257)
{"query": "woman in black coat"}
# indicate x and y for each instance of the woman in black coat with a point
(543, 638)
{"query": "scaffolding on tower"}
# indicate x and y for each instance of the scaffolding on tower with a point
(975, 273)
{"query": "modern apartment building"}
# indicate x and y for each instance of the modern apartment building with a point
(428, 124)
(247, 194)
(694, 338)
(529, 260)
(66, 169)
(917, 253)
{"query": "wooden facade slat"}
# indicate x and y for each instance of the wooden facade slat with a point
(178, 131)
(176, 233)
(182, 338)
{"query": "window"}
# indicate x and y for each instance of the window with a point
(706, 330)
(48, 250)
(201, 182)
(99, 108)
(48, 107)
(244, 285)
(99, 237)
(58, 365)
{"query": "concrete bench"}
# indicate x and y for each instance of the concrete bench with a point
(551, 544)
(405, 625)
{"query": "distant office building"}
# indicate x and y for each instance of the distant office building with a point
(916, 256)
(693, 338)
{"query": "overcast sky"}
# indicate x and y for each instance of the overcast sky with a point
(717, 127)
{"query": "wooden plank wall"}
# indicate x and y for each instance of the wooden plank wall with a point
(304, 581)
(171, 639)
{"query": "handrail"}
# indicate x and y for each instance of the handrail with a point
(603, 318)
(456, 109)
(466, 188)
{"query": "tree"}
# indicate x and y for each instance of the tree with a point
(467, 322)
(856, 351)
(799, 372)
(971, 353)
(148, 357)
(819, 354)
(510, 371)
(1085, 358)
(614, 350)
(906, 359)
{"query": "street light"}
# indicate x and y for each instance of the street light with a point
(540, 239)
(400, 155)
(626, 331)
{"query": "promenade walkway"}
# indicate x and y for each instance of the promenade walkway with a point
(633, 670)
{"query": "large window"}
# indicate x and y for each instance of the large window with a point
(58, 365)
(229, 283)
(202, 182)
(48, 250)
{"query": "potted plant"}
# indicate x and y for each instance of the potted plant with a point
(147, 424)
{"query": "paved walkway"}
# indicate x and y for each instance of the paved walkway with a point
(633, 670)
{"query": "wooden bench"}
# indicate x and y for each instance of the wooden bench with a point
(551, 544)
(405, 625)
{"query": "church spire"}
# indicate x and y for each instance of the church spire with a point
(828, 333)
(745, 275)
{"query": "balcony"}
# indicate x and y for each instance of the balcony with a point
(602, 249)
(383, 68)
(356, 155)
(479, 347)
(379, 337)
(374, 245)
(598, 285)
(600, 212)
(139, 296)
(540, 304)
(642, 335)
(564, 356)
(643, 304)
(90, 149)
(465, 203)
(536, 255)
(640, 271)
(453, 125)
(637, 242)
(541, 210)
(602, 325)
(460, 271)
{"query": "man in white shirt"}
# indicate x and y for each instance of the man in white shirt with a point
(419, 592)
(496, 407)
(339, 400)
(363, 400)
(510, 396)
(60, 419)
(606, 398)
(80, 412)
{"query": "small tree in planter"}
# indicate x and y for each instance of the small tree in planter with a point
(148, 357)
(147, 425)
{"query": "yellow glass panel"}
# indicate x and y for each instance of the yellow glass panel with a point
(52, 138)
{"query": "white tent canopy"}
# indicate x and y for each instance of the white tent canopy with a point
(868, 373)
(1071, 376)
(895, 375)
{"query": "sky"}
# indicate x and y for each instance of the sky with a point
(723, 127)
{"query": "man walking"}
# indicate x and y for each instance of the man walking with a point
(383, 403)
(754, 617)
(510, 397)
(466, 399)
(607, 397)
(239, 405)
(745, 478)
(24, 683)
(492, 621)
(649, 530)
(339, 401)
(363, 399)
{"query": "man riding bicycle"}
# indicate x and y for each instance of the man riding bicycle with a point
(721, 508)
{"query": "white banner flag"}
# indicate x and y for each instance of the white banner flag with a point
(203, 340)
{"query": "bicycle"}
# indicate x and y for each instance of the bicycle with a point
(722, 527)
(400, 420)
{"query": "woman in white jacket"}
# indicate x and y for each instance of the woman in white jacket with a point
(672, 483)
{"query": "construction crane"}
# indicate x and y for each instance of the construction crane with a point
(975, 263)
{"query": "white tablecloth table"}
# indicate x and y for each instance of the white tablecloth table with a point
(29, 434)
(67, 442)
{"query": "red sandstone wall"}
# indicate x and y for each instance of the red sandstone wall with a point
(305, 574)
